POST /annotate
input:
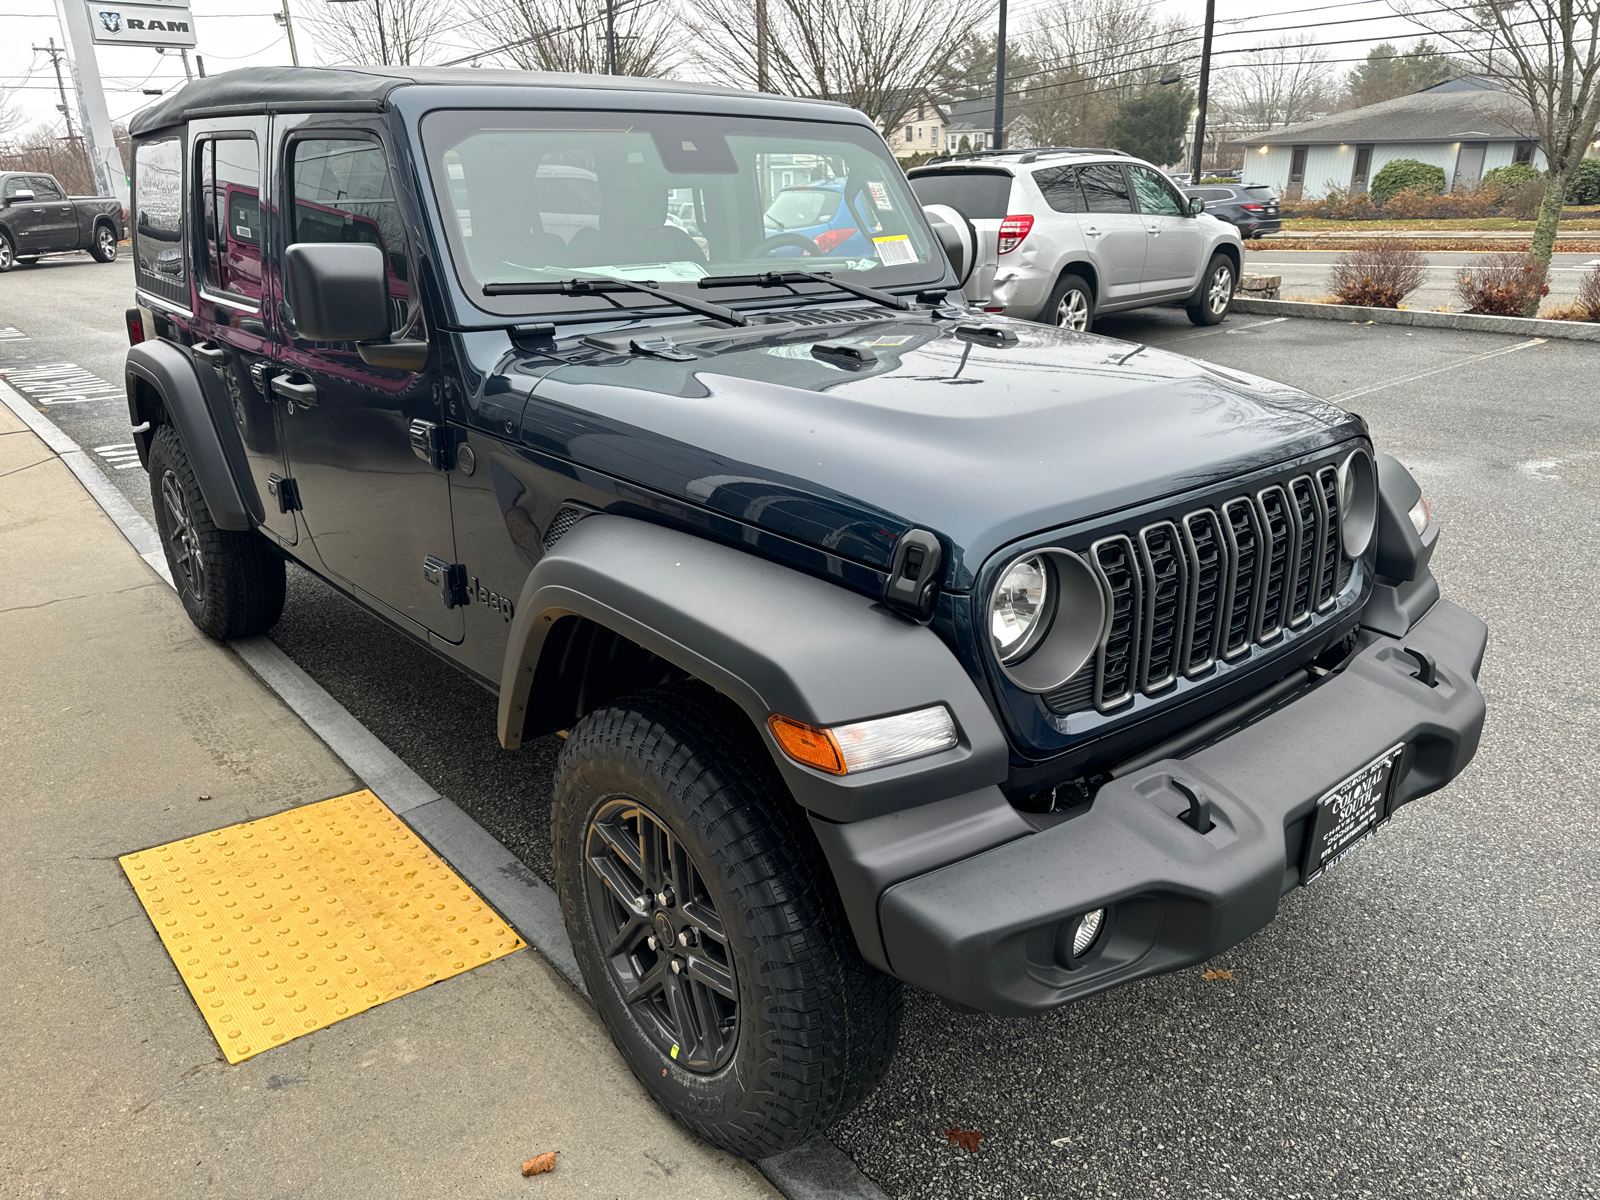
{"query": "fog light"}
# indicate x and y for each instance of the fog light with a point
(1088, 929)
(862, 745)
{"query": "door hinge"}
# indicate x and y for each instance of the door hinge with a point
(449, 578)
(431, 443)
(286, 490)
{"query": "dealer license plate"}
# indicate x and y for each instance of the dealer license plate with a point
(1347, 815)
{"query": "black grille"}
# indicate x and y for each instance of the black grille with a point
(1184, 594)
(564, 520)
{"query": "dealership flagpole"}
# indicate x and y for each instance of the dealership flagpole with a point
(110, 176)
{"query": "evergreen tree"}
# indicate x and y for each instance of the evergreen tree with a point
(1151, 125)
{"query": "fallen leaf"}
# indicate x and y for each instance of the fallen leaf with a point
(967, 1139)
(1215, 974)
(539, 1164)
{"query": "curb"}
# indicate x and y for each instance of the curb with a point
(817, 1170)
(1578, 331)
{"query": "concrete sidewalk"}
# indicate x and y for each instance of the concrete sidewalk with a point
(122, 727)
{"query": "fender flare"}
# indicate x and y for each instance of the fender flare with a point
(771, 639)
(168, 370)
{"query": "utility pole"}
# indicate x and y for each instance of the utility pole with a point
(761, 47)
(1000, 82)
(288, 27)
(383, 38)
(611, 37)
(55, 52)
(188, 75)
(1205, 87)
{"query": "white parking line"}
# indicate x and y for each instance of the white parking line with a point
(8, 334)
(62, 383)
(1388, 383)
(122, 456)
(1231, 329)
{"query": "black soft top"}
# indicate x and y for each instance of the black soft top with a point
(365, 89)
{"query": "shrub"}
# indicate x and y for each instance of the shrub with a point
(1585, 187)
(1501, 178)
(1406, 175)
(1378, 275)
(1587, 301)
(1522, 200)
(1501, 284)
(1409, 205)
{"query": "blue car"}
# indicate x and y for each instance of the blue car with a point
(817, 212)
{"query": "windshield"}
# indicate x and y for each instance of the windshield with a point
(536, 196)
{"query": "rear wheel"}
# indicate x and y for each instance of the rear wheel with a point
(8, 252)
(1212, 301)
(104, 246)
(1071, 304)
(709, 937)
(230, 582)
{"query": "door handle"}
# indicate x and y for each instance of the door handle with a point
(1092, 231)
(299, 393)
(212, 354)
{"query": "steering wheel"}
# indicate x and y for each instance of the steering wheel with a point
(779, 240)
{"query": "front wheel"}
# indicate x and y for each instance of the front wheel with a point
(231, 583)
(8, 252)
(104, 247)
(711, 942)
(1212, 301)
(1071, 304)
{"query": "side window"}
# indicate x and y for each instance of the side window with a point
(44, 188)
(230, 206)
(340, 192)
(17, 183)
(1105, 190)
(158, 218)
(1156, 197)
(1061, 188)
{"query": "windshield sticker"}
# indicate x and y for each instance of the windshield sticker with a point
(890, 341)
(895, 251)
(670, 272)
(880, 196)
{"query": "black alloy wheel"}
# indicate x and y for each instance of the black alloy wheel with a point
(186, 555)
(8, 252)
(668, 950)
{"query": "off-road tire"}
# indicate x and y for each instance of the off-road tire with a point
(103, 244)
(1071, 295)
(237, 587)
(816, 1025)
(8, 252)
(1214, 296)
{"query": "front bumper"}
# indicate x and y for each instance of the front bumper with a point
(985, 932)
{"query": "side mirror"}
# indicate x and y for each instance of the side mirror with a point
(20, 197)
(957, 236)
(338, 291)
(1196, 206)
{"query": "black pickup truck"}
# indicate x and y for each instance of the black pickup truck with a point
(38, 218)
(891, 642)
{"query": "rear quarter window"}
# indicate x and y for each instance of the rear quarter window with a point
(976, 195)
(158, 250)
(1259, 192)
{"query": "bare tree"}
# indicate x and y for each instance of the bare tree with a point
(570, 35)
(1092, 55)
(44, 150)
(874, 55)
(349, 32)
(11, 117)
(1546, 53)
(1285, 82)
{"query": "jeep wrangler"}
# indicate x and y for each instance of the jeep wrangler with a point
(892, 643)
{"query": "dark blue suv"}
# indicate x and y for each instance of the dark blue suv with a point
(889, 641)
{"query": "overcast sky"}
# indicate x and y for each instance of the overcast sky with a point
(237, 33)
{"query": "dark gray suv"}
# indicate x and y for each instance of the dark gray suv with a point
(1251, 207)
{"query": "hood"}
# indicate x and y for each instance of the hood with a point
(977, 441)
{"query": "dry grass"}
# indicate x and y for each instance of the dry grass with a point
(1585, 306)
(1427, 245)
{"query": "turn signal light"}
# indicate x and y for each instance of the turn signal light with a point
(1013, 230)
(862, 745)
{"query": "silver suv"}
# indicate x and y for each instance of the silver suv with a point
(1067, 234)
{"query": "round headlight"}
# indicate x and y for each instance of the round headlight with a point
(1046, 615)
(1358, 502)
(1018, 613)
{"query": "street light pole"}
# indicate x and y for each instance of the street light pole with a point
(1205, 87)
(383, 38)
(611, 37)
(1000, 82)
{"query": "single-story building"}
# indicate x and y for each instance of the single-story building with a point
(1465, 127)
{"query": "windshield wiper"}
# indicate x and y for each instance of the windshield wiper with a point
(785, 278)
(595, 287)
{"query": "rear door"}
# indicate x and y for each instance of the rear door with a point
(1113, 232)
(233, 310)
(58, 222)
(1173, 257)
(983, 196)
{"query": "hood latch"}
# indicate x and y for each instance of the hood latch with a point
(913, 583)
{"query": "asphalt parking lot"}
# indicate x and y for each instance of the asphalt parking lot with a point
(1418, 1023)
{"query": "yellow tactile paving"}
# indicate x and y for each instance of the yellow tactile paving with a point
(290, 923)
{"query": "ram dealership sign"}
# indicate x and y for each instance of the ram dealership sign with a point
(151, 23)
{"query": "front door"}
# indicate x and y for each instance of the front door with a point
(375, 511)
(1469, 165)
(25, 218)
(233, 315)
(58, 222)
(1113, 232)
(1172, 257)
